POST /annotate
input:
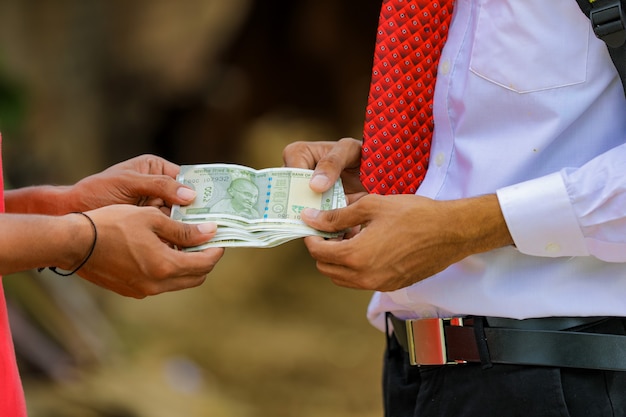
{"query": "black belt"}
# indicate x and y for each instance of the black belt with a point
(560, 342)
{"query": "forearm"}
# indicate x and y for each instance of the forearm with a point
(44, 199)
(32, 241)
(480, 223)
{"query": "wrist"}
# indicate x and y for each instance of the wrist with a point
(81, 236)
(481, 223)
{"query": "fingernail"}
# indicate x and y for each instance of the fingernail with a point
(320, 182)
(207, 228)
(186, 193)
(310, 213)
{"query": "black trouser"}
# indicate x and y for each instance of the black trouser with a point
(468, 390)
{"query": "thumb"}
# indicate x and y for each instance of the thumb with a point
(164, 187)
(335, 220)
(186, 235)
(345, 154)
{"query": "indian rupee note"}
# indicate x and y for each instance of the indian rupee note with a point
(253, 202)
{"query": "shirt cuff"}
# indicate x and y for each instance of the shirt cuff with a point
(541, 219)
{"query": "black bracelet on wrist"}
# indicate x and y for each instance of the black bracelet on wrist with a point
(91, 249)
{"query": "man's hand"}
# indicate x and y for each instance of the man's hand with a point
(329, 160)
(403, 239)
(146, 180)
(136, 254)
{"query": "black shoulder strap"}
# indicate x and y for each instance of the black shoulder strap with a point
(609, 24)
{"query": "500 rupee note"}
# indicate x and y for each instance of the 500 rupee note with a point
(254, 208)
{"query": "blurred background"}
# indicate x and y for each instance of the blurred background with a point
(85, 84)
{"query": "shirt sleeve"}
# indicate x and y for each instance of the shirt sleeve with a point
(575, 212)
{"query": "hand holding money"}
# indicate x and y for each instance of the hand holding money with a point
(253, 208)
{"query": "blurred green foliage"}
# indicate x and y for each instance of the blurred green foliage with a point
(12, 102)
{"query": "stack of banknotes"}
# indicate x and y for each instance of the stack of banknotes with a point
(253, 208)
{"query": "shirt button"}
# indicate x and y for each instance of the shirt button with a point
(427, 313)
(444, 68)
(440, 158)
(553, 248)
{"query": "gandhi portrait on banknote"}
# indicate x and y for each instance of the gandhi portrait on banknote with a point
(243, 195)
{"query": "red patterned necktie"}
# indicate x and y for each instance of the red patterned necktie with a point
(398, 121)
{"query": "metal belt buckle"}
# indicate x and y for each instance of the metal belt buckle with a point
(427, 340)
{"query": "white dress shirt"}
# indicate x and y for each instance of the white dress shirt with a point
(528, 105)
